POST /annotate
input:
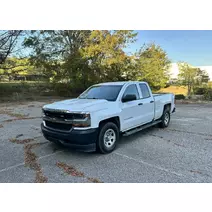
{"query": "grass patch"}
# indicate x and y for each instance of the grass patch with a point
(33, 91)
(175, 90)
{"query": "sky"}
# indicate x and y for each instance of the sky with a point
(193, 47)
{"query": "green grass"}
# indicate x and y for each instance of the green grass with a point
(21, 91)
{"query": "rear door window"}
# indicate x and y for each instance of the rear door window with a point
(144, 90)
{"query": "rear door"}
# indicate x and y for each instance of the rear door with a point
(147, 104)
(130, 113)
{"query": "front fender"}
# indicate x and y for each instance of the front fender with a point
(102, 115)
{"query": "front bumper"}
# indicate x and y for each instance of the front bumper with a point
(84, 140)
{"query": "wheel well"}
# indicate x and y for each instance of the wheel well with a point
(115, 120)
(167, 106)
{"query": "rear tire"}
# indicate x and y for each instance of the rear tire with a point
(108, 137)
(165, 118)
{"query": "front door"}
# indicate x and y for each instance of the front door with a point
(130, 114)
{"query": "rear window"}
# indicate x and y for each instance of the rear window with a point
(144, 90)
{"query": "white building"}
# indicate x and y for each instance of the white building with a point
(174, 70)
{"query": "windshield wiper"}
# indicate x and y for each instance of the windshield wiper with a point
(88, 98)
(93, 98)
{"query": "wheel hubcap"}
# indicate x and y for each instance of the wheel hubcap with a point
(109, 138)
(166, 119)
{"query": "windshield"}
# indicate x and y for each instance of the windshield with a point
(108, 92)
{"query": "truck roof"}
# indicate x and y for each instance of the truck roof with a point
(119, 83)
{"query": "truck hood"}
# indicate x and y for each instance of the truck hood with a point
(79, 105)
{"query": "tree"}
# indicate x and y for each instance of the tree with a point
(8, 40)
(202, 77)
(152, 66)
(188, 76)
(57, 53)
(106, 56)
(13, 67)
(81, 57)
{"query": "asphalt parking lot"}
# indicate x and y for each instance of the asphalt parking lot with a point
(180, 153)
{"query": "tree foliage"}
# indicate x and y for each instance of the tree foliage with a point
(191, 76)
(188, 76)
(202, 77)
(104, 51)
(152, 65)
(84, 57)
(13, 67)
(81, 57)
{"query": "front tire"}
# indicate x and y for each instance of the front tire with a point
(108, 137)
(165, 119)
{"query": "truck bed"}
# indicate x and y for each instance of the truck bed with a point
(162, 99)
(160, 94)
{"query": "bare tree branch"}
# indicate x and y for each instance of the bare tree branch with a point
(8, 41)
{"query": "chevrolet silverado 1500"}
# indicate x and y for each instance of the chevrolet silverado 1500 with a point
(96, 119)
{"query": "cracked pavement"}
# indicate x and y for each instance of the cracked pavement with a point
(180, 153)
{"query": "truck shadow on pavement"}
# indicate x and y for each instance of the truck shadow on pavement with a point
(124, 141)
(134, 137)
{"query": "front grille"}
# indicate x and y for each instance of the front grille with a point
(58, 126)
(62, 115)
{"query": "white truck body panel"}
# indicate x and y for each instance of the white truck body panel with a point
(131, 114)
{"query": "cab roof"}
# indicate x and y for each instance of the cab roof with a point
(119, 83)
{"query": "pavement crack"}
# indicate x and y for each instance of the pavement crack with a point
(31, 160)
(17, 119)
(19, 135)
(158, 136)
(199, 172)
(181, 145)
(94, 180)
(71, 170)
(208, 139)
(24, 141)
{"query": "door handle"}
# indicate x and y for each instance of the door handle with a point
(151, 101)
(140, 103)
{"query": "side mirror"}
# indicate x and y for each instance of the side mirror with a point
(129, 97)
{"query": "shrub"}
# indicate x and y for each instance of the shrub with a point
(179, 96)
(208, 94)
(200, 90)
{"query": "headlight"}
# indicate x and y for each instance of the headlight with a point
(82, 120)
(42, 113)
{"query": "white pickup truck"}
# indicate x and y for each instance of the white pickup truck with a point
(96, 119)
